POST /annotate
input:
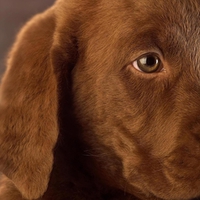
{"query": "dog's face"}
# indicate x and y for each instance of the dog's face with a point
(134, 73)
(136, 93)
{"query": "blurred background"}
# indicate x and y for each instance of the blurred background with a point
(13, 15)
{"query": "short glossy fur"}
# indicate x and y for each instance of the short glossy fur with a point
(78, 122)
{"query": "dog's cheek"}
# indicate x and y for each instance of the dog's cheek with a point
(102, 109)
(125, 139)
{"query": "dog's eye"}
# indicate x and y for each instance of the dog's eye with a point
(148, 63)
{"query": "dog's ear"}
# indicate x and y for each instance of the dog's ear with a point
(29, 106)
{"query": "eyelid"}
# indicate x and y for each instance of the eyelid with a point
(137, 53)
(146, 53)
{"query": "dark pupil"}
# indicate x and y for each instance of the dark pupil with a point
(150, 61)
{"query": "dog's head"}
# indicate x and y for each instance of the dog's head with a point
(134, 79)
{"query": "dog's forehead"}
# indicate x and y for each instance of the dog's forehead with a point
(176, 23)
(173, 25)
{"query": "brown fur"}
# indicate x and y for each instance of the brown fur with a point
(78, 122)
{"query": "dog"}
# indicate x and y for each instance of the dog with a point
(100, 101)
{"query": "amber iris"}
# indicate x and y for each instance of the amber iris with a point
(149, 63)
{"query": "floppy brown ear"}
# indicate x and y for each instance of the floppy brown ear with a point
(29, 108)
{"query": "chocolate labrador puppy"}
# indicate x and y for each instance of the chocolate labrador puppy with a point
(101, 101)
